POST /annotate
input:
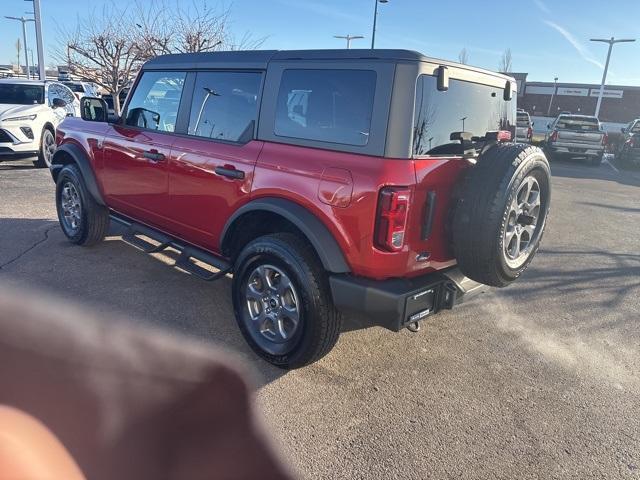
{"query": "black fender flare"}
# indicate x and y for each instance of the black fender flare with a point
(318, 234)
(81, 159)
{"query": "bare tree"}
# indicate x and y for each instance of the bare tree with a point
(166, 28)
(109, 47)
(18, 46)
(505, 61)
(103, 49)
(463, 56)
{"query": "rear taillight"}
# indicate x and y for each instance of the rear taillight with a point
(393, 205)
(605, 139)
(554, 136)
(529, 133)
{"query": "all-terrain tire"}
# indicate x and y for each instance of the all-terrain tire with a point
(92, 223)
(319, 321)
(483, 215)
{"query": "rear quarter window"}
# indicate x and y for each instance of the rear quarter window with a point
(465, 107)
(332, 106)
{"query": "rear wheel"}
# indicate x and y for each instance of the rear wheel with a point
(83, 220)
(501, 214)
(46, 150)
(282, 301)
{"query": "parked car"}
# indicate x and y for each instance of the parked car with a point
(524, 127)
(629, 152)
(30, 111)
(576, 136)
(6, 72)
(364, 194)
(82, 89)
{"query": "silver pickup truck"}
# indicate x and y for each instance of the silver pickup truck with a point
(576, 136)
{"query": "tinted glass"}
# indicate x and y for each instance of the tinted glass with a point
(326, 105)
(225, 105)
(578, 123)
(75, 87)
(468, 107)
(155, 101)
(21, 94)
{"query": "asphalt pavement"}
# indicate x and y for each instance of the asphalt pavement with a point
(538, 380)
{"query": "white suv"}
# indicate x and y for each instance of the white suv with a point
(30, 111)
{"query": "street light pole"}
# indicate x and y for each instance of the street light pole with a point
(39, 42)
(553, 94)
(24, 37)
(611, 42)
(348, 38)
(375, 20)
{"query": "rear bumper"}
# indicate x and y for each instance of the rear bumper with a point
(577, 149)
(398, 302)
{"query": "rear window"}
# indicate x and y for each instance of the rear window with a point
(466, 107)
(523, 120)
(326, 105)
(75, 87)
(20, 94)
(578, 123)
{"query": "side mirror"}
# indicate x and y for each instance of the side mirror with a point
(533, 123)
(443, 78)
(623, 130)
(508, 91)
(548, 126)
(94, 109)
(58, 103)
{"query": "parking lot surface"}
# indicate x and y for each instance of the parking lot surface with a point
(538, 380)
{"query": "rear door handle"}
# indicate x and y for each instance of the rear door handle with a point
(230, 172)
(154, 156)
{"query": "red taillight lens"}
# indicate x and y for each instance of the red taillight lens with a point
(391, 224)
(529, 133)
(554, 136)
(605, 139)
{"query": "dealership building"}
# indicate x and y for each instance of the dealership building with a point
(620, 104)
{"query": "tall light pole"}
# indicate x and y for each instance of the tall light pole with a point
(348, 38)
(553, 94)
(611, 42)
(38, 20)
(375, 19)
(24, 37)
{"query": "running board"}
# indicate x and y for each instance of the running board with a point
(188, 253)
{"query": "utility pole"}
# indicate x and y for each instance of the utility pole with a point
(553, 94)
(348, 38)
(375, 19)
(24, 37)
(611, 42)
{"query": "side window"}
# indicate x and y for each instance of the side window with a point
(327, 105)
(66, 94)
(53, 92)
(225, 105)
(466, 107)
(155, 101)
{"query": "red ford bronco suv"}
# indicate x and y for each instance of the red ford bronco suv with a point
(377, 181)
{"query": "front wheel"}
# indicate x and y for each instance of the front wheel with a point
(282, 301)
(83, 220)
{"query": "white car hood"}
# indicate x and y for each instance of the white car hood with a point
(9, 110)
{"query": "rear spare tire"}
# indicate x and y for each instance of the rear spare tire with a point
(501, 213)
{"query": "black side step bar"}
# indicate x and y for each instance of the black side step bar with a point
(188, 253)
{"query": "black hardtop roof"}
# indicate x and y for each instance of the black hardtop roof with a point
(259, 59)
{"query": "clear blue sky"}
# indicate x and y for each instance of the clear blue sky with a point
(547, 37)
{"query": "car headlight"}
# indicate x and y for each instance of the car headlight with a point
(20, 119)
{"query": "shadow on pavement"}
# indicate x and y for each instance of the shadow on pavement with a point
(116, 278)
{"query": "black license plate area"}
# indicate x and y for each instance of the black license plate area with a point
(419, 305)
(577, 150)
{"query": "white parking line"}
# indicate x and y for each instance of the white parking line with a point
(606, 160)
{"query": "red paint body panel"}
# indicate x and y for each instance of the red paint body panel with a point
(184, 196)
